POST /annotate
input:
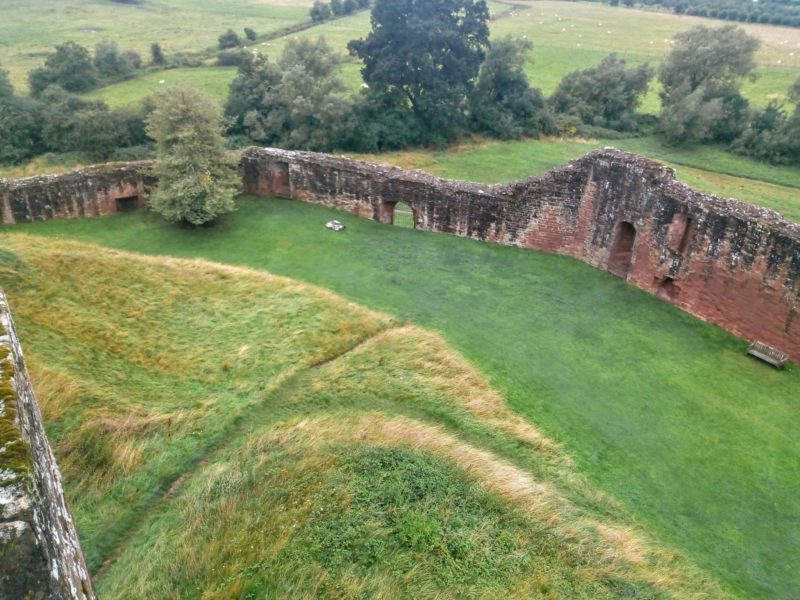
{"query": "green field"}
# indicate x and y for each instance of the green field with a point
(575, 35)
(660, 410)
(591, 31)
(213, 80)
(30, 28)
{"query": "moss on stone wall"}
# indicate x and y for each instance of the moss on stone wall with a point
(14, 452)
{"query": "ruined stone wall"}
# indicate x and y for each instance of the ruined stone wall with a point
(89, 192)
(40, 556)
(727, 262)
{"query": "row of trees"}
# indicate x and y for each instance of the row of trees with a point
(231, 39)
(430, 75)
(59, 121)
(433, 77)
(323, 11)
(73, 68)
(775, 12)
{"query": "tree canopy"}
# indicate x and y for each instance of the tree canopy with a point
(297, 102)
(426, 54)
(70, 67)
(19, 127)
(196, 182)
(700, 78)
(503, 103)
(605, 95)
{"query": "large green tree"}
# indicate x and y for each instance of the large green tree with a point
(70, 67)
(72, 123)
(425, 54)
(773, 133)
(605, 95)
(298, 102)
(503, 103)
(700, 78)
(20, 126)
(196, 182)
(111, 63)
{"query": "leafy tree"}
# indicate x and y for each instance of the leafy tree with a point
(249, 93)
(19, 124)
(363, 3)
(321, 11)
(232, 58)
(794, 92)
(767, 135)
(503, 103)
(297, 103)
(6, 89)
(772, 134)
(605, 95)
(71, 123)
(196, 182)
(156, 54)
(700, 77)
(690, 116)
(229, 39)
(349, 7)
(111, 64)
(132, 58)
(426, 55)
(70, 67)
(250, 34)
(384, 122)
(337, 8)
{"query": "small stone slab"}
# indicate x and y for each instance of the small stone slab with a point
(335, 225)
(768, 354)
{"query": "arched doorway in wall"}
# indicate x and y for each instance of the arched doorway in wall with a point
(619, 262)
(397, 213)
(403, 215)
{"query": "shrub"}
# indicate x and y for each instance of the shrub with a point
(229, 39)
(69, 67)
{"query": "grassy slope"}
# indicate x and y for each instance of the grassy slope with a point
(314, 448)
(707, 168)
(30, 28)
(661, 410)
(213, 80)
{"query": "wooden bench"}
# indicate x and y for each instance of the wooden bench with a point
(768, 354)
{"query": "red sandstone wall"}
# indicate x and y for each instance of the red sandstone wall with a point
(724, 261)
(89, 192)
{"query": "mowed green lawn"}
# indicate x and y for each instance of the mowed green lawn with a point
(663, 411)
(30, 28)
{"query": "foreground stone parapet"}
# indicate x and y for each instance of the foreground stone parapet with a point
(724, 261)
(88, 192)
(40, 555)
